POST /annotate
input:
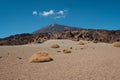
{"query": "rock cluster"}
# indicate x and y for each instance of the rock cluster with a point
(76, 35)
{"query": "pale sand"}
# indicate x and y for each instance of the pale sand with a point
(92, 61)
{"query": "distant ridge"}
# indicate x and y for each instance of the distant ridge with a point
(56, 31)
(55, 28)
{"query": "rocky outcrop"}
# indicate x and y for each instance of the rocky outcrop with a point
(17, 39)
(94, 35)
(76, 35)
(21, 39)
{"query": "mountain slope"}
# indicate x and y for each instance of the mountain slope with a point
(62, 32)
(55, 28)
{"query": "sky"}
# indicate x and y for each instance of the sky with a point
(26, 16)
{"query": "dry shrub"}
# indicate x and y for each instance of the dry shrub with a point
(116, 44)
(66, 50)
(42, 56)
(81, 42)
(54, 45)
(43, 39)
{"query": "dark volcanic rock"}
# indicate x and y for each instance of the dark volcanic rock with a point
(21, 39)
(18, 39)
(68, 33)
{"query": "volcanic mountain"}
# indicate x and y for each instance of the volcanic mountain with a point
(56, 31)
(55, 28)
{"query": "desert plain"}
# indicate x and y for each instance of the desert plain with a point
(91, 61)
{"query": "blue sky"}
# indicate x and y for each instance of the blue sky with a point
(26, 16)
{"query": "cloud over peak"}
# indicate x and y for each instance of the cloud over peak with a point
(53, 14)
(47, 13)
(60, 12)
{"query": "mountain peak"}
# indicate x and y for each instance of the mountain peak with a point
(55, 24)
(57, 28)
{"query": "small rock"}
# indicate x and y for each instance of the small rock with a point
(58, 51)
(81, 48)
(19, 57)
(8, 53)
(70, 47)
(0, 57)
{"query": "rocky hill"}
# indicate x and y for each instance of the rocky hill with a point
(56, 31)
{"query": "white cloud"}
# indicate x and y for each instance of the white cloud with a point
(60, 12)
(34, 12)
(47, 13)
(52, 14)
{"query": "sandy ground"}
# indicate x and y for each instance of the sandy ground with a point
(92, 61)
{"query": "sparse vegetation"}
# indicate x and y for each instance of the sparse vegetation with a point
(42, 40)
(54, 45)
(81, 42)
(116, 44)
(42, 56)
(66, 50)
